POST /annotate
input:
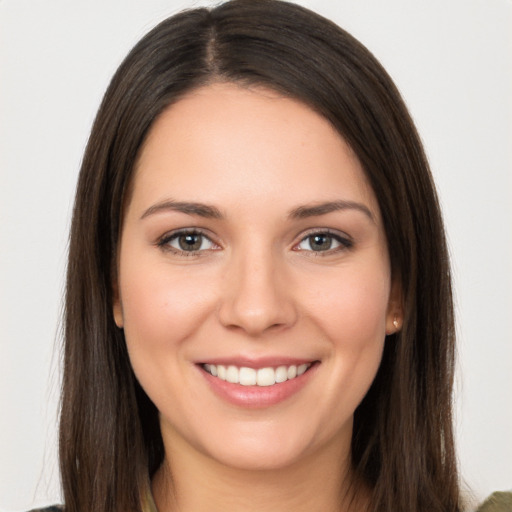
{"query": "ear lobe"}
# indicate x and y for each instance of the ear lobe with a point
(393, 324)
(118, 313)
(117, 307)
(394, 314)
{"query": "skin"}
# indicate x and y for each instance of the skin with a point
(255, 288)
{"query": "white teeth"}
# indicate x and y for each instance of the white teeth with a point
(247, 376)
(267, 376)
(301, 369)
(232, 374)
(221, 371)
(281, 374)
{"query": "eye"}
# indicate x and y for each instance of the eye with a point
(186, 242)
(323, 241)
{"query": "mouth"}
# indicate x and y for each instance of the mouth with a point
(262, 377)
(255, 386)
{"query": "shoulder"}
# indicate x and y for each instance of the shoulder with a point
(497, 502)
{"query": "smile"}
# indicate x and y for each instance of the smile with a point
(263, 377)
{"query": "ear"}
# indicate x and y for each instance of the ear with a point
(117, 307)
(395, 311)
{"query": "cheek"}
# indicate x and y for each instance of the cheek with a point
(161, 308)
(351, 312)
(353, 306)
(356, 327)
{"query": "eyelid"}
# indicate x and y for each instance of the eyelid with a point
(344, 239)
(163, 241)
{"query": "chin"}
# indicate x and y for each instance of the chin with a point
(260, 458)
(269, 446)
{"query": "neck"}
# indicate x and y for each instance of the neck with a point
(322, 481)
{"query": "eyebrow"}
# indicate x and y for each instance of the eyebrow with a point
(211, 212)
(190, 208)
(318, 209)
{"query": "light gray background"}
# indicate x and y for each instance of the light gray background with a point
(452, 60)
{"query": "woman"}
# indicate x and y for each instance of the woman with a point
(258, 308)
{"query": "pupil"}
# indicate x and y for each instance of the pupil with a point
(190, 242)
(321, 242)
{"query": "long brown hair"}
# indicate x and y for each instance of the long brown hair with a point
(110, 441)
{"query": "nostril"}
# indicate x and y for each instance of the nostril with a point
(255, 298)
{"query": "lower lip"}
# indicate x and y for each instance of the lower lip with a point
(256, 397)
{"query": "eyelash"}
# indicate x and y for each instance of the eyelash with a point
(164, 242)
(345, 242)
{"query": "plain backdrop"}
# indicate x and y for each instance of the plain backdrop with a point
(451, 59)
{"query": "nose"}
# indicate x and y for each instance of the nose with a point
(257, 296)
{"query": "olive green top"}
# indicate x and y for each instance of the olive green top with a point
(497, 502)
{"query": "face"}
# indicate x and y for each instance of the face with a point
(254, 285)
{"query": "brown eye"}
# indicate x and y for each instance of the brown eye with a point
(190, 242)
(324, 242)
(320, 242)
(186, 242)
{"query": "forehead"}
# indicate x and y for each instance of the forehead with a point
(231, 144)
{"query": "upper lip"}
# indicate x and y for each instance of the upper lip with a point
(257, 362)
